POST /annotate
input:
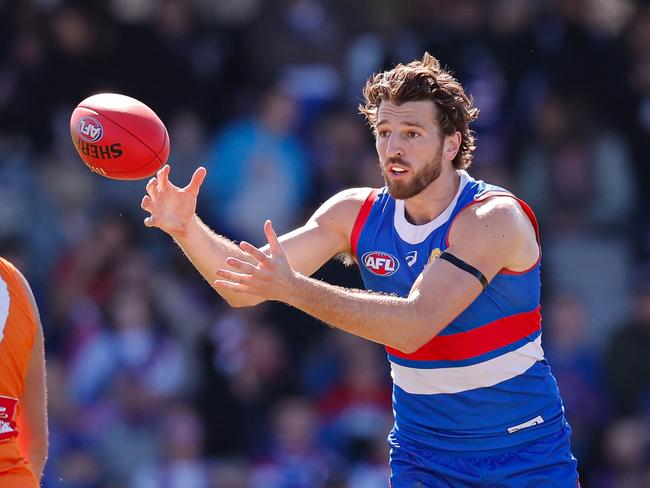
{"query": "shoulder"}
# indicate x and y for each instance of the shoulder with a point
(500, 212)
(28, 293)
(7, 266)
(353, 194)
(496, 231)
(339, 213)
(13, 278)
(20, 290)
(344, 205)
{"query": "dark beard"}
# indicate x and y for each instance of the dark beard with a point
(421, 180)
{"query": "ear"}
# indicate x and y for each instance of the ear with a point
(451, 146)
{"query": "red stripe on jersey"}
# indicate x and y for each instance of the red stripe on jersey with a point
(364, 211)
(483, 339)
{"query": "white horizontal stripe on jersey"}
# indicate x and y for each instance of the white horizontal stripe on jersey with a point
(434, 381)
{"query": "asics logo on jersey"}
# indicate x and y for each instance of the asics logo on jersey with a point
(411, 258)
(380, 263)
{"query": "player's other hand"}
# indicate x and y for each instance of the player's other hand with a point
(171, 208)
(266, 276)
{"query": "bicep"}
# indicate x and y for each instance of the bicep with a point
(326, 234)
(494, 235)
(442, 292)
(310, 246)
(487, 241)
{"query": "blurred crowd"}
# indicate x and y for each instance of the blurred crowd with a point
(153, 382)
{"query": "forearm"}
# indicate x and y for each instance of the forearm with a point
(386, 319)
(208, 251)
(33, 437)
(37, 455)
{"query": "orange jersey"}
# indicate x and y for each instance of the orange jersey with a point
(17, 330)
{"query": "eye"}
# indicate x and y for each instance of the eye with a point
(382, 133)
(412, 134)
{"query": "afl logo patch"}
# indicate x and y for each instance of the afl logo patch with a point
(90, 129)
(380, 263)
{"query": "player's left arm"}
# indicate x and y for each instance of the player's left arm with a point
(32, 420)
(489, 236)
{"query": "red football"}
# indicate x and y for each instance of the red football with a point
(119, 137)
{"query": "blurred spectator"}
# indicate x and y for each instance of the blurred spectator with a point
(344, 154)
(123, 428)
(133, 346)
(582, 162)
(586, 168)
(634, 111)
(626, 448)
(294, 459)
(230, 473)
(355, 409)
(372, 471)
(182, 464)
(257, 169)
(73, 457)
(628, 359)
(86, 270)
(577, 368)
(244, 371)
(303, 41)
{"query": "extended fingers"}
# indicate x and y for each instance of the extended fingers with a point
(253, 251)
(241, 265)
(238, 287)
(146, 203)
(162, 177)
(196, 181)
(152, 187)
(272, 237)
(233, 276)
(234, 281)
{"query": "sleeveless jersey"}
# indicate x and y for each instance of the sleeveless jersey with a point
(17, 332)
(482, 384)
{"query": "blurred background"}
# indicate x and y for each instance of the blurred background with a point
(153, 381)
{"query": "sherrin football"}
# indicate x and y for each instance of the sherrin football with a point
(119, 137)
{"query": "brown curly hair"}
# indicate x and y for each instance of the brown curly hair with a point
(425, 80)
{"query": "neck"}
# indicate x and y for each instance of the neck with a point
(434, 199)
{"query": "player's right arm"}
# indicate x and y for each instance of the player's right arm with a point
(173, 210)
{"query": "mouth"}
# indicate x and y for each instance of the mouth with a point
(396, 170)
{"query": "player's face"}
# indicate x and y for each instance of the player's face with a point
(409, 147)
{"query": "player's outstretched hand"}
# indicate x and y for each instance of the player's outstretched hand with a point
(169, 206)
(267, 276)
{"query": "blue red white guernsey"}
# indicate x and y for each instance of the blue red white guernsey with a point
(482, 384)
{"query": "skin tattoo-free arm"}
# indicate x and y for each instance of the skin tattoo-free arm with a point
(440, 293)
(173, 210)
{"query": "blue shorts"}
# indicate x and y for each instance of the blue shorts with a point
(545, 463)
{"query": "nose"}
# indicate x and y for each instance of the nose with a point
(394, 147)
